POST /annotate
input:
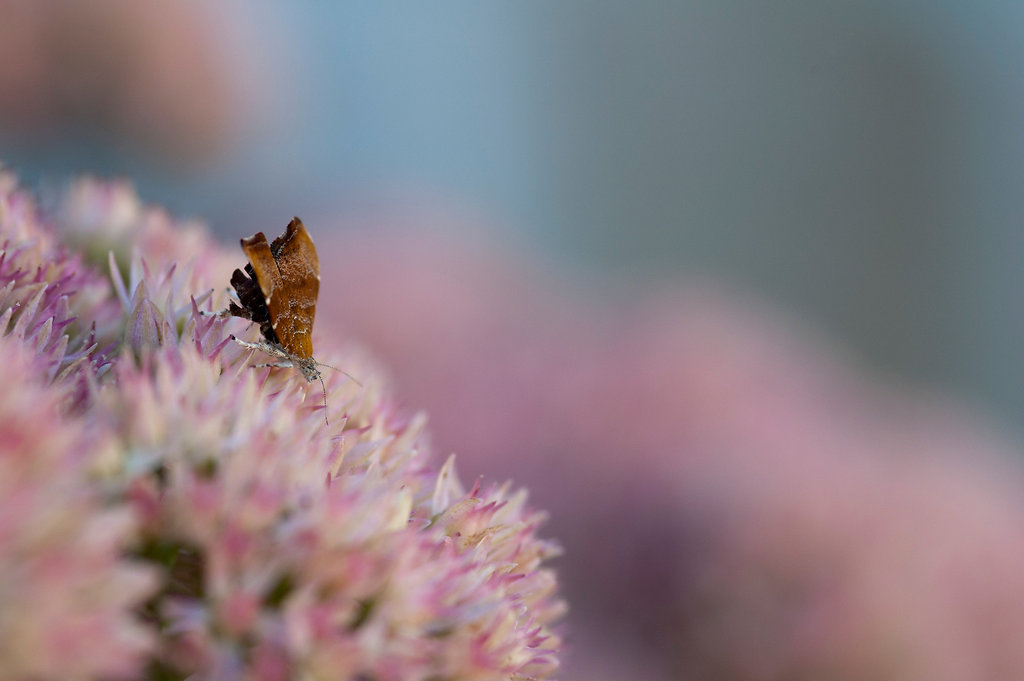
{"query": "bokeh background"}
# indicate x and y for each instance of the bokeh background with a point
(733, 286)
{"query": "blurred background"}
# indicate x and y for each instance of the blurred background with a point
(733, 286)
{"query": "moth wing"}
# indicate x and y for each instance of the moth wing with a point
(263, 264)
(293, 303)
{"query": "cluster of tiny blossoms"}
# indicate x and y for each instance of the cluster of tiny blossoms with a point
(169, 512)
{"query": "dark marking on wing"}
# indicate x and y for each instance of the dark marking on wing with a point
(279, 288)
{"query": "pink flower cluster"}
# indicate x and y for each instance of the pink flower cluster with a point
(187, 516)
(67, 593)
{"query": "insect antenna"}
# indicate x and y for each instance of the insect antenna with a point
(340, 371)
(322, 385)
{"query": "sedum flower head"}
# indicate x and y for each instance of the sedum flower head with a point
(49, 302)
(284, 548)
(67, 592)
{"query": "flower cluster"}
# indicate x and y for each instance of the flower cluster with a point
(66, 592)
(200, 512)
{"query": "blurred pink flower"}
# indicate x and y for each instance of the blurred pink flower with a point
(285, 548)
(895, 556)
(737, 501)
(152, 73)
(97, 217)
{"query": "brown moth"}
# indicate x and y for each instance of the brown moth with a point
(278, 290)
